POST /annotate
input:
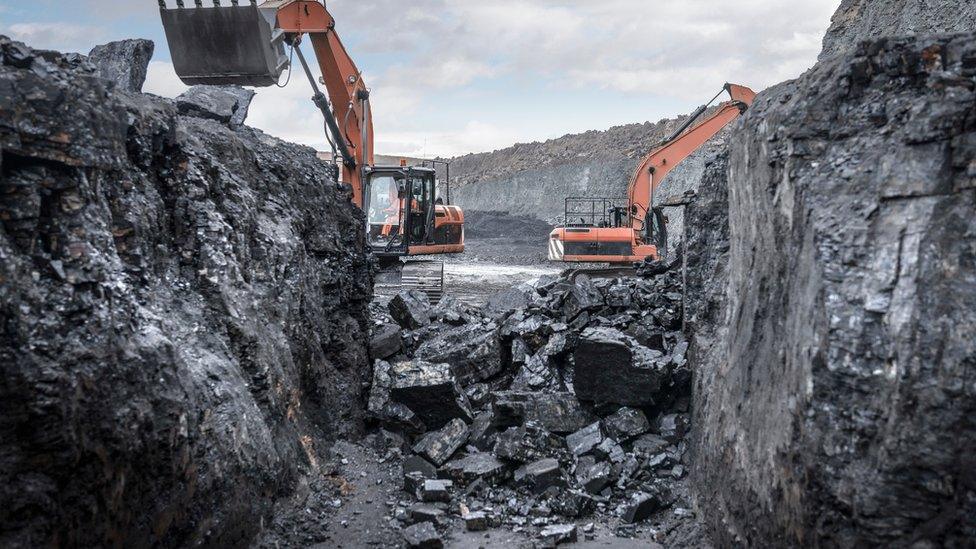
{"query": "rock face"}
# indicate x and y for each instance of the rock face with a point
(125, 62)
(857, 20)
(835, 407)
(184, 315)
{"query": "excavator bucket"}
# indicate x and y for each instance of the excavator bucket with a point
(229, 44)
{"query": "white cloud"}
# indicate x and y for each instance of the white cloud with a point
(438, 51)
(61, 36)
(473, 136)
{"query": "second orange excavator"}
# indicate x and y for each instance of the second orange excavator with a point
(602, 230)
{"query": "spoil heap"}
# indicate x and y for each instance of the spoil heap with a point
(183, 305)
(566, 399)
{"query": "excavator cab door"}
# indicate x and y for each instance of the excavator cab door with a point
(399, 207)
(225, 44)
(657, 227)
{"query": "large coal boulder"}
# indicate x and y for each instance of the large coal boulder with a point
(836, 406)
(183, 315)
(125, 63)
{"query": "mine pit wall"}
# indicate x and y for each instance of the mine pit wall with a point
(833, 317)
(183, 315)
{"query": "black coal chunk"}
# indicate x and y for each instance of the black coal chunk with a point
(422, 535)
(540, 475)
(585, 440)
(558, 533)
(625, 424)
(473, 351)
(583, 296)
(385, 341)
(225, 104)
(529, 442)
(641, 506)
(430, 391)
(476, 466)
(383, 408)
(410, 309)
(125, 62)
(611, 367)
(438, 446)
(557, 412)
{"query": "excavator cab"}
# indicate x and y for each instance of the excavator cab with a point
(400, 209)
(225, 44)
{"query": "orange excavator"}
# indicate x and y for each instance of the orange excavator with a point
(601, 230)
(247, 43)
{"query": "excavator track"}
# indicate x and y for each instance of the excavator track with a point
(426, 276)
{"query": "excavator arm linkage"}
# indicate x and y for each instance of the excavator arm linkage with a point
(246, 45)
(682, 143)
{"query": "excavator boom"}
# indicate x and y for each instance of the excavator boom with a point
(245, 43)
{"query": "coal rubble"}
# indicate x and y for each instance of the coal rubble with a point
(570, 402)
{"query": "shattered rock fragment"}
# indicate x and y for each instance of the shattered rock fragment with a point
(583, 296)
(473, 351)
(438, 446)
(609, 449)
(625, 424)
(430, 391)
(475, 467)
(571, 503)
(641, 506)
(422, 535)
(595, 477)
(382, 407)
(385, 341)
(611, 367)
(475, 521)
(528, 443)
(410, 309)
(506, 301)
(672, 426)
(649, 444)
(417, 468)
(540, 475)
(424, 512)
(585, 440)
(226, 104)
(434, 491)
(557, 412)
(558, 533)
(483, 431)
(451, 311)
(478, 394)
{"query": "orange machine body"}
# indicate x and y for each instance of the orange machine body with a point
(632, 240)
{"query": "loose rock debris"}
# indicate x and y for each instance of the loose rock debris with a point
(567, 399)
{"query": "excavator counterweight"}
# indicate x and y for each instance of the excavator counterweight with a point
(223, 45)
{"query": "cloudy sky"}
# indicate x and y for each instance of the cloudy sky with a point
(457, 76)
